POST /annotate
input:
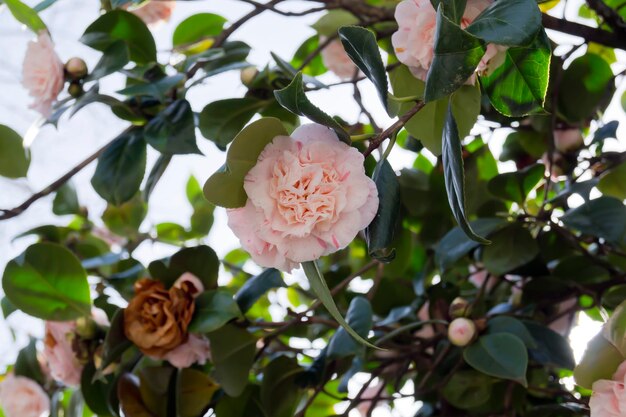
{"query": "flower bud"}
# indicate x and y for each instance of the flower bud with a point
(75, 90)
(76, 68)
(86, 327)
(459, 308)
(461, 332)
(247, 75)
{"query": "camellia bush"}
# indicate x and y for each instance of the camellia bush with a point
(470, 274)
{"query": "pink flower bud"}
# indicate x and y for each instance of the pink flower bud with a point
(247, 75)
(76, 68)
(461, 331)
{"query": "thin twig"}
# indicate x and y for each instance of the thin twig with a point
(394, 128)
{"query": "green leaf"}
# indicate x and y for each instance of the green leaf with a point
(48, 282)
(14, 159)
(320, 288)
(66, 201)
(604, 217)
(510, 325)
(95, 390)
(511, 248)
(329, 24)
(294, 99)
(508, 22)
(225, 187)
(427, 124)
(125, 219)
(518, 86)
(7, 307)
(131, 403)
(453, 9)
(600, 361)
(195, 392)
(359, 318)
(454, 175)
(200, 261)
(467, 389)
(115, 342)
(196, 28)
(279, 393)
(379, 234)
(615, 329)
(515, 186)
(457, 54)
(121, 168)
(114, 58)
(255, 287)
(552, 348)
(173, 131)
(316, 65)
(213, 310)
(232, 351)
(499, 355)
(222, 120)
(120, 25)
(25, 15)
(456, 244)
(248, 404)
(586, 86)
(157, 171)
(158, 89)
(27, 364)
(360, 45)
(613, 182)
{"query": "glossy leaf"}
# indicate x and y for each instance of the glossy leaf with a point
(195, 392)
(201, 261)
(95, 390)
(279, 393)
(115, 341)
(453, 9)
(552, 348)
(27, 364)
(114, 58)
(329, 24)
(455, 177)
(255, 287)
(499, 355)
(511, 248)
(467, 389)
(510, 325)
(379, 234)
(508, 22)
(613, 182)
(66, 201)
(120, 25)
(359, 318)
(121, 168)
(25, 15)
(47, 281)
(213, 310)
(360, 45)
(294, 99)
(14, 159)
(125, 219)
(196, 28)
(603, 217)
(225, 187)
(232, 351)
(173, 130)
(222, 120)
(515, 186)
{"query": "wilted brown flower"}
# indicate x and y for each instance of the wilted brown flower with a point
(156, 319)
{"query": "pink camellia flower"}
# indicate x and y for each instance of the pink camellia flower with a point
(58, 352)
(42, 73)
(415, 39)
(155, 12)
(461, 331)
(495, 56)
(609, 396)
(23, 397)
(337, 60)
(194, 350)
(568, 140)
(190, 279)
(308, 196)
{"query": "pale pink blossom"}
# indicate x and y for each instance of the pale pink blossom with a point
(368, 395)
(495, 55)
(58, 352)
(190, 278)
(42, 73)
(609, 396)
(23, 397)
(461, 331)
(154, 12)
(337, 60)
(415, 39)
(308, 196)
(568, 140)
(194, 350)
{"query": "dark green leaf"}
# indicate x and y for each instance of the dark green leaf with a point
(511, 248)
(157, 171)
(194, 392)
(125, 219)
(95, 391)
(508, 22)
(222, 120)
(14, 159)
(279, 393)
(552, 348)
(457, 54)
(121, 168)
(120, 25)
(380, 232)
(505, 324)
(609, 130)
(454, 175)
(499, 355)
(115, 341)
(453, 9)
(196, 28)
(200, 261)
(173, 131)
(158, 89)
(114, 58)
(468, 389)
(25, 15)
(232, 351)
(47, 281)
(213, 310)
(515, 186)
(27, 364)
(255, 287)
(329, 24)
(7, 307)
(225, 187)
(604, 217)
(294, 99)
(66, 200)
(359, 318)
(613, 182)
(360, 45)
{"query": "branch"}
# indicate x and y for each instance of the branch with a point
(9, 213)
(399, 124)
(590, 34)
(258, 9)
(608, 15)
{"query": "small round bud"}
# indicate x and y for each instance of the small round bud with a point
(459, 308)
(86, 327)
(248, 75)
(75, 89)
(76, 68)
(461, 332)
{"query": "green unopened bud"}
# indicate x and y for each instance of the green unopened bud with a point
(86, 328)
(248, 75)
(461, 332)
(76, 68)
(75, 89)
(459, 308)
